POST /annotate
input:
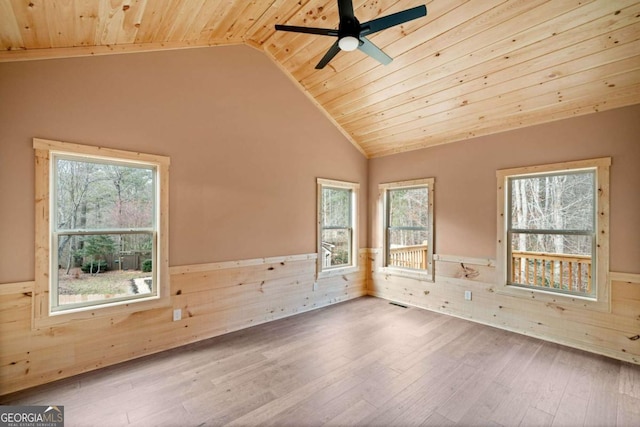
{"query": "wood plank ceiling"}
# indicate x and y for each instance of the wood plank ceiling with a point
(470, 68)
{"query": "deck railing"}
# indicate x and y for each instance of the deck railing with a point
(559, 271)
(409, 257)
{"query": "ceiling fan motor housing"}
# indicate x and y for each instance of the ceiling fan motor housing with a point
(349, 34)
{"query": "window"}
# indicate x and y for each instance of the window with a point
(101, 229)
(554, 225)
(407, 223)
(337, 232)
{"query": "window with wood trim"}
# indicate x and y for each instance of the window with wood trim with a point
(554, 228)
(337, 225)
(407, 226)
(101, 229)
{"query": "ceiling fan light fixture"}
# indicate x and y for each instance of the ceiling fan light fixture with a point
(348, 43)
(352, 34)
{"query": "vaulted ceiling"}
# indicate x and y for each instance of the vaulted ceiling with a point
(469, 68)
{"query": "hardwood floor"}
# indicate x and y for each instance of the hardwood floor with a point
(363, 362)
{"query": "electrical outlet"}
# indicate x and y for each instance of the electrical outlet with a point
(177, 314)
(467, 295)
(315, 286)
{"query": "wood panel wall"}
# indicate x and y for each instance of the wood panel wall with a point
(223, 297)
(215, 299)
(615, 334)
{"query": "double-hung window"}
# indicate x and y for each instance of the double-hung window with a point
(101, 228)
(337, 219)
(407, 223)
(554, 228)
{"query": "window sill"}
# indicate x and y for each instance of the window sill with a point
(338, 271)
(120, 308)
(423, 276)
(555, 300)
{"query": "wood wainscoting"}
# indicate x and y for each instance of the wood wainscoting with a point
(214, 298)
(222, 297)
(615, 334)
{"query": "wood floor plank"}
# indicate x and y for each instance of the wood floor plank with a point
(320, 407)
(630, 380)
(434, 395)
(353, 415)
(524, 388)
(398, 409)
(456, 332)
(380, 392)
(361, 362)
(437, 420)
(535, 417)
(483, 408)
(628, 411)
(572, 411)
(603, 400)
(554, 385)
(476, 386)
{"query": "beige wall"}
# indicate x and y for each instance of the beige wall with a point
(245, 144)
(465, 179)
(246, 147)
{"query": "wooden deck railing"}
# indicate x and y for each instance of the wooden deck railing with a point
(559, 271)
(409, 257)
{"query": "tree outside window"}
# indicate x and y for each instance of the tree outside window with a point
(408, 227)
(552, 231)
(104, 226)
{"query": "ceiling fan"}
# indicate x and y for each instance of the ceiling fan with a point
(351, 34)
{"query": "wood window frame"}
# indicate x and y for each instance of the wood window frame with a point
(601, 301)
(353, 265)
(42, 313)
(383, 207)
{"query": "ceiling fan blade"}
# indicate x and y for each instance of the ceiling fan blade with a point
(345, 9)
(388, 21)
(308, 30)
(333, 51)
(374, 51)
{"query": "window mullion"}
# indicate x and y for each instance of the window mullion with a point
(409, 228)
(555, 232)
(106, 231)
